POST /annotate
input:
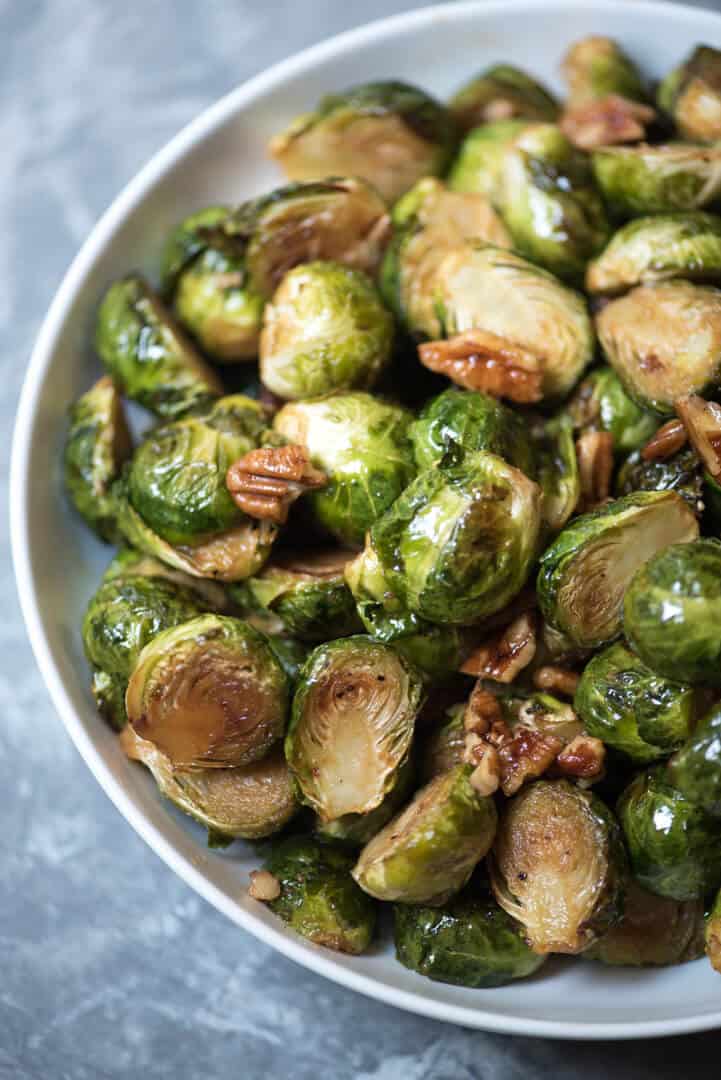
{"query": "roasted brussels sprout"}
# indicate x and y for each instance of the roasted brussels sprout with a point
(549, 201)
(470, 421)
(654, 931)
(146, 354)
(682, 473)
(625, 703)
(362, 444)
(96, 445)
(596, 66)
(430, 850)
(657, 179)
(674, 847)
(131, 563)
(501, 92)
(683, 245)
(470, 941)
(325, 329)
(250, 802)
(477, 167)
(670, 612)
(713, 934)
(691, 95)
(557, 472)
(209, 693)
(557, 866)
(389, 133)
(306, 592)
(122, 617)
(318, 897)
(352, 725)
(584, 574)
(355, 830)
(696, 769)
(602, 404)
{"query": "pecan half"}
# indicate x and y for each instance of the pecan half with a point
(582, 758)
(263, 885)
(606, 122)
(527, 754)
(481, 360)
(594, 452)
(667, 441)
(702, 420)
(556, 679)
(505, 654)
(267, 481)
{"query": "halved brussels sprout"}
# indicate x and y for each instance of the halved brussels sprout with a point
(657, 179)
(557, 472)
(470, 420)
(389, 133)
(131, 563)
(249, 803)
(654, 931)
(306, 592)
(147, 355)
(188, 239)
(501, 92)
(355, 830)
(673, 846)
(470, 941)
(352, 725)
(691, 95)
(430, 850)
(557, 866)
(684, 245)
(596, 66)
(458, 544)
(671, 612)
(209, 693)
(477, 167)
(549, 201)
(682, 473)
(696, 769)
(602, 404)
(625, 703)
(325, 329)
(318, 897)
(96, 445)
(713, 934)
(361, 443)
(584, 574)
(121, 618)
(443, 747)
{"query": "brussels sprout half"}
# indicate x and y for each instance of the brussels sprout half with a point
(96, 445)
(557, 866)
(654, 931)
(671, 612)
(389, 133)
(674, 847)
(470, 941)
(602, 404)
(209, 693)
(501, 92)
(691, 95)
(625, 703)
(355, 830)
(325, 329)
(477, 167)
(596, 66)
(584, 574)
(647, 179)
(147, 355)
(361, 443)
(430, 850)
(683, 245)
(682, 473)
(712, 934)
(696, 769)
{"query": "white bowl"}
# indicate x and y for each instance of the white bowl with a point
(221, 157)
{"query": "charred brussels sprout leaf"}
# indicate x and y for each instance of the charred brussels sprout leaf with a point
(361, 443)
(318, 897)
(429, 851)
(691, 95)
(671, 612)
(470, 941)
(632, 709)
(602, 404)
(597, 66)
(646, 179)
(713, 934)
(477, 168)
(96, 445)
(654, 931)
(696, 769)
(326, 329)
(682, 472)
(147, 355)
(558, 866)
(209, 693)
(585, 572)
(673, 846)
(352, 725)
(389, 133)
(501, 92)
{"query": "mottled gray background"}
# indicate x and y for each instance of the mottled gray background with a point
(109, 965)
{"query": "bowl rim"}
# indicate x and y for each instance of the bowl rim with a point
(81, 266)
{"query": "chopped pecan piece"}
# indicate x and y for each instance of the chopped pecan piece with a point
(667, 441)
(525, 756)
(702, 420)
(483, 713)
(594, 452)
(504, 655)
(556, 679)
(263, 885)
(608, 121)
(266, 481)
(582, 758)
(481, 360)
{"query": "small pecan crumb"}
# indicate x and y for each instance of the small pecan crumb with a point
(506, 654)
(486, 776)
(702, 420)
(594, 452)
(608, 121)
(266, 481)
(481, 360)
(557, 679)
(263, 885)
(583, 757)
(483, 711)
(667, 441)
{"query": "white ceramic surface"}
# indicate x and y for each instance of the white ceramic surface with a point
(220, 157)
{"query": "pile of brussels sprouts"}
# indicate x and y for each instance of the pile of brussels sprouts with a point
(418, 567)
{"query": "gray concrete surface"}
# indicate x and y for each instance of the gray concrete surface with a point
(109, 966)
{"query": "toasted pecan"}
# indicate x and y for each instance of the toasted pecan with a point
(702, 420)
(608, 121)
(265, 482)
(481, 360)
(504, 655)
(667, 441)
(594, 451)
(557, 679)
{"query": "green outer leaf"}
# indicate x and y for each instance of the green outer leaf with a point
(682, 473)
(645, 179)
(696, 769)
(477, 167)
(189, 239)
(310, 608)
(601, 404)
